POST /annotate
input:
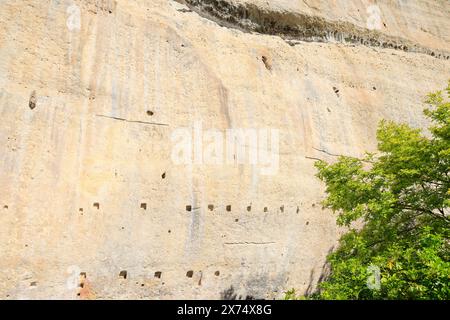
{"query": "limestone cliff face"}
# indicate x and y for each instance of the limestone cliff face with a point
(91, 92)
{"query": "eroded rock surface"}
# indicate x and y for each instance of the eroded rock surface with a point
(92, 204)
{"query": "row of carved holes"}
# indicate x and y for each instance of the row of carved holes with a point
(188, 207)
(124, 274)
(228, 208)
(143, 206)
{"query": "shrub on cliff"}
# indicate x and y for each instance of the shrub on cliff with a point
(402, 197)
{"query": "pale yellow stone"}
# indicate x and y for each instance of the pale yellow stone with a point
(129, 57)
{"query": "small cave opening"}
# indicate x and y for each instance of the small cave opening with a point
(150, 113)
(163, 176)
(266, 209)
(266, 62)
(282, 209)
(249, 208)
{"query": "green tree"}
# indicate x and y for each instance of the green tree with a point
(396, 206)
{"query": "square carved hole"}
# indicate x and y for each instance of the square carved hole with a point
(189, 274)
(228, 208)
(123, 274)
(158, 274)
(189, 208)
(210, 207)
(96, 205)
(143, 206)
(266, 209)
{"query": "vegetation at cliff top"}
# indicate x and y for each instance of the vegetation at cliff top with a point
(400, 198)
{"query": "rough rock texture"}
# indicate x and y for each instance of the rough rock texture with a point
(91, 203)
